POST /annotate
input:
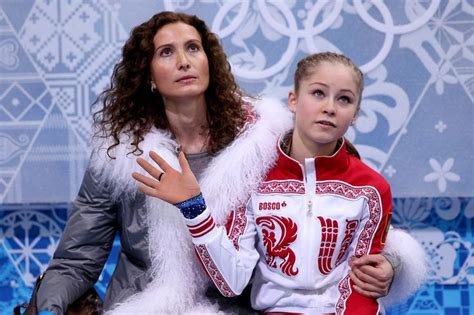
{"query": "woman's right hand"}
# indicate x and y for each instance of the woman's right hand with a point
(169, 185)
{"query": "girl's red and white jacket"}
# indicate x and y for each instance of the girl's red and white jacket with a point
(298, 231)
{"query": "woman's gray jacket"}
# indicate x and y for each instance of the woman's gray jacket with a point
(86, 242)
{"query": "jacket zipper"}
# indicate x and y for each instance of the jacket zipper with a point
(310, 175)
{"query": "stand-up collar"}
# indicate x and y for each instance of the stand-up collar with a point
(327, 167)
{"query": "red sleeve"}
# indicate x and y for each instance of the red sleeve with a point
(378, 242)
(357, 303)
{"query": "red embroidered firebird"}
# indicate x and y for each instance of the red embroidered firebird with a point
(279, 248)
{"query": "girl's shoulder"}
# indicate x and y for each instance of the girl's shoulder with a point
(368, 176)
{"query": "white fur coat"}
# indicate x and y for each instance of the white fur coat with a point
(179, 281)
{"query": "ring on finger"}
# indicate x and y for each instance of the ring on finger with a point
(159, 177)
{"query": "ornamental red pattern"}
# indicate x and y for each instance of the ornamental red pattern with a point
(329, 231)
(282, 187)
(373, 201)
(236, 227)
(362, 247)
(345, 290)
(279, 248)
(250, 115)
(212, 271)
(349, 232)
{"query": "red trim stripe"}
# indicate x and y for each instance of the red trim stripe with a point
(202, 228)
(198, 224)
(204, 232)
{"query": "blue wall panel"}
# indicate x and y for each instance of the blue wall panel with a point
(415, 125)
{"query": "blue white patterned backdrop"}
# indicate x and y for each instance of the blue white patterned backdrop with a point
(415, 127)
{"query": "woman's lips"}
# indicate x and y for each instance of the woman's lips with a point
(186, 78)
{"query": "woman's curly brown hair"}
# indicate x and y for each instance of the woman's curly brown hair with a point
(130, 107)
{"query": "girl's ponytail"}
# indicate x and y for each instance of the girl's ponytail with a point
(351, 149)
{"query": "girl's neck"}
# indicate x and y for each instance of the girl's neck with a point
(302, 148)
(188, 123)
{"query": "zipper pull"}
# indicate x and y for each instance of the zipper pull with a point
(310, 208)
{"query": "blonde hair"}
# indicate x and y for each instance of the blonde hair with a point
(306, 65)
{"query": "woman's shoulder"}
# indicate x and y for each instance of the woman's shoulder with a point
(266, 109)
(117, 164)
(106, 147)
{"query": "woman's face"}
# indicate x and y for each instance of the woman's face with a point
(179, 68)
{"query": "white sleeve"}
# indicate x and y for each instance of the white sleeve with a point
(413, 269)
(228, 258)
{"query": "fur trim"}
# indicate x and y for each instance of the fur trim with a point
(242, 166)
(116, 172)
(413, 270)
(179, 283)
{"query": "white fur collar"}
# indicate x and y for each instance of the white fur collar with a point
(179, 282)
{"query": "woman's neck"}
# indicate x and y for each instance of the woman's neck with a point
(188, 122)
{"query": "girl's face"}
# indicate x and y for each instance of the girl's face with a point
(325, 105)
(179, 68)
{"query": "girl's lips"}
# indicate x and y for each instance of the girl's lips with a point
(326, 123)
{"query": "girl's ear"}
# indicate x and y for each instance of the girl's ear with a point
(292, 101)
(356, 115)
(354, 119)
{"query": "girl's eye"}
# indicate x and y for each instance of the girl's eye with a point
(318, 93)
(345, 99)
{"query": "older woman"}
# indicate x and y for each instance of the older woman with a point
(173, 90)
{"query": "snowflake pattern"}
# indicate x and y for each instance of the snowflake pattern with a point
(47, 35)
(442, 174)
(440, 126)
